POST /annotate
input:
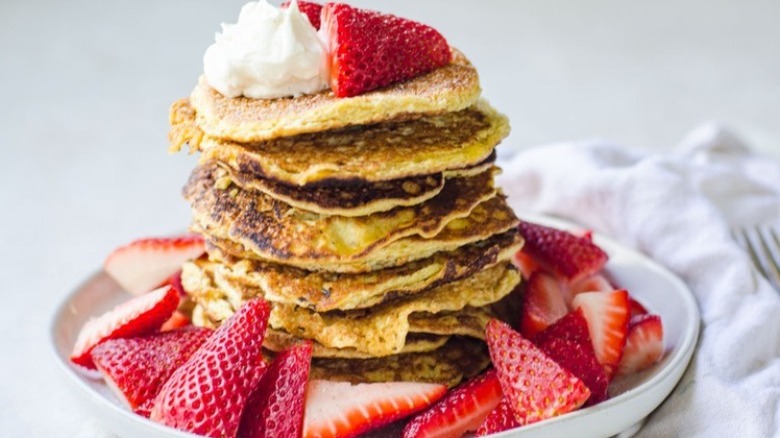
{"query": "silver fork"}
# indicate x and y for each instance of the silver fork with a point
(763, 246)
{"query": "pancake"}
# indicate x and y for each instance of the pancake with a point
(382, 330)
(325, 291)
(381, 152)
(276, 340)
(486, 220)
(379, 331)
(446, 89)
(468, 210)
(459, 359)
(354, 198)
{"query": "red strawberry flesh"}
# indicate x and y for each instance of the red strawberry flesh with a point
(275, 407)
(145, 264)
(369, 50)
(461, 410)
(535, 387)
(501, 418)
(569, 257)
(343, 410)
(139, 316)
(644, 345)
(207, 394)
(543, 304)
(607, 314)
(136, 368)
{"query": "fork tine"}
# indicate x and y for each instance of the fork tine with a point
(751, 247)
(771, 247)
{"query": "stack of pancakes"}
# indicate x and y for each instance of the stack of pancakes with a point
(371, 223)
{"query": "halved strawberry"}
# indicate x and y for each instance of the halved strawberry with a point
(543, 304)
(636, 307)
(569, 257)
(580, 360)
(535, 387)
(139, 316)
(644, 346)
(461, 410)
(501, 418)
(369, 50)
(145, 264)
(525, 263)
(607, 314)
(207, 394)
(136, 368)
(573, 327)
(275, 407)
(310, 9)
(341, 409)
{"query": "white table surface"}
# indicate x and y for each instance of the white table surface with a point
(85, 87)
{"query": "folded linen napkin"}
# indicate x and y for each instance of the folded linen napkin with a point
(678, 209)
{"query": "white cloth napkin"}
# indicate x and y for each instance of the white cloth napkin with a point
(678, 209)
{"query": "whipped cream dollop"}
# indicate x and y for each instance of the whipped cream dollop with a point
(269, 53)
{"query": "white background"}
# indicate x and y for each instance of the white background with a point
(85, 87)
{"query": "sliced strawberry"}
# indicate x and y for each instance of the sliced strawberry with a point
(136, 368)
(594, 283)
(145, 264)
(645, 344)
(607, 314)
(525, 263)
(174, 281)
(207, 394)
(636, 307)
(177, 320)
(543, 304)
(137, 317)
(370, 50)
(572, 327)
(535, 387)
(580, 360)
(341, 409)
(461, 410)
(501, 418)
(310, 9)
(569, 257)
(275, 407)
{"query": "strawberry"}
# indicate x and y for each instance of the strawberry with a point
(461, 410)
(174, 281)
(139, 316)
(275, 407)
(594, 283)
(370, 50)
(136, 368)
(645, 344)
(572, 327)
(569, 257)
(341, 409)
(177, 320)
(543, 304)
(636, 307)
(310, 9)
(607, 314)
(580, 360)
(207, 394)
(525, 263)
(145, 264)
(535, 387)
(501, 418)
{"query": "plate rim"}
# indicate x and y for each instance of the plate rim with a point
(678, 363)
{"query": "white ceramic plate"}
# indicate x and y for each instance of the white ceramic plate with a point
(632, 399)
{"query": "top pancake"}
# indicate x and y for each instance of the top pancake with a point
(446, 89)
(380, 152)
